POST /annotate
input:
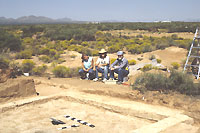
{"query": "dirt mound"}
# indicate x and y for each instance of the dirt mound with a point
(4, 75)
(14, 88)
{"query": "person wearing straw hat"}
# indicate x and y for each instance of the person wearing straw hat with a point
(102, 65)
(120, 66)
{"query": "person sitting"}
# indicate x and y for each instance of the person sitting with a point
(102, 65)
(87, 71)
(120, 66)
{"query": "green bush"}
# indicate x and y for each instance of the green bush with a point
(159, 60)
(152, 57)
(61, 71)
(177, 81)
(140, 59)
(132, 62)
(40, 70)
(175, 65)
(4, 62)
(73, 56)
(181, 82)
(151, 81)
(60, 60)
(147, 68)
(26, 54)
(27, 66)
(112, 60)
(45, 58)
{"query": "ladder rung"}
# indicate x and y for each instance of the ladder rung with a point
(195, 56)
(198, 37)
(196, 47)
(193, 65)
(196, 76)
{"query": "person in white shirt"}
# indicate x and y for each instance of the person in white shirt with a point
(102, 65)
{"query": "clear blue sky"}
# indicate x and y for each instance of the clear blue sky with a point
(98, 10)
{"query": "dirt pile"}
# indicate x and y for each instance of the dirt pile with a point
(4, 75)
(14, 88)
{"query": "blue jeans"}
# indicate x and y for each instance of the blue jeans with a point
(121, 73)
(101, 70)
(83, 74)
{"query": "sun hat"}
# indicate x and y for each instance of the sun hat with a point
(102, 51)
(120, 53)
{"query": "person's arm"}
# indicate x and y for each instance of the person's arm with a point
(92, 64)
(83, 66)
(97, 63)
(113, 64)
(124, 63)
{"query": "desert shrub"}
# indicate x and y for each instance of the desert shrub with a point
(181, 82)
(61, 71)
(95, 53)
(45, 58)
(60, 60)
(139, 59)
(147, 68)
(151, 57)
(26, 54)
(73, 56)
(40, 70)
(175, 65)
(112, 60)
(132, 62)
(27, 66)
(159, 60)
(44, 50)
(74, 72)
(151, 81)
(52, 52)
(4, 62)
(56, 56)
(177, 81)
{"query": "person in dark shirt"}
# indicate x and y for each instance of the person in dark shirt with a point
(120, 66)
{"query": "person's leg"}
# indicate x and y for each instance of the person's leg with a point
(98, 70)
(121, 74)
(112, 73)
(82, 73)
(105, 72)
(91, 74)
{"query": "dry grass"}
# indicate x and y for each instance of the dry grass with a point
(130, 33)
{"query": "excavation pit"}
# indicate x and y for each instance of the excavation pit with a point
(106, 113)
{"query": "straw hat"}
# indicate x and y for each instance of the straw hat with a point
(102, 51)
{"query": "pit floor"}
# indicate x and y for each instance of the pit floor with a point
(35, 118)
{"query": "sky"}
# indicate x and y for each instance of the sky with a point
(104, 10)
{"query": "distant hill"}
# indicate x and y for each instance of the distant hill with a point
(35, 20)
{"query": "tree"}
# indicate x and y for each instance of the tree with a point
(9, 41)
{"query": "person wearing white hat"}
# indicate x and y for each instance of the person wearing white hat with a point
(120, 66)
(102, 65)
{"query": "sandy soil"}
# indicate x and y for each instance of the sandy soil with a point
(34, 118)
